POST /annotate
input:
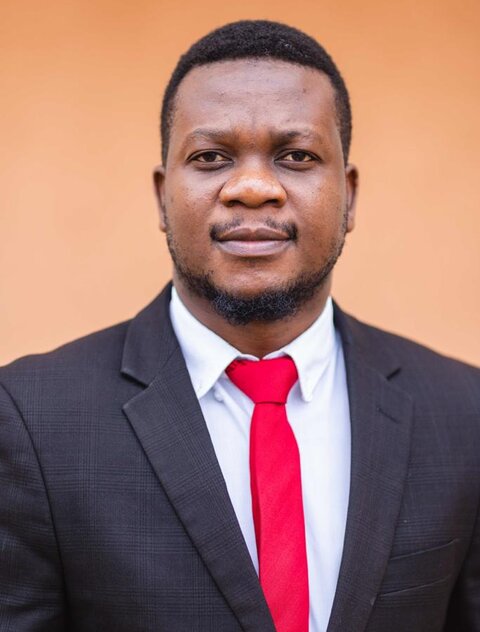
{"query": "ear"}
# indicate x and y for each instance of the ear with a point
(351, 177)
(159, 185)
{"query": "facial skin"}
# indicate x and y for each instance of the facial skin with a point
(255, 195)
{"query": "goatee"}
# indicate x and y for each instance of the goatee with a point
(270, 305)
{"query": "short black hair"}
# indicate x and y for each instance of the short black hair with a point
(255, 39)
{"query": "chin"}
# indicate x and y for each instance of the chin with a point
(248, 303)
(244, 292)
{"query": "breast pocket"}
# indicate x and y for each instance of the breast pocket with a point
(428, 569)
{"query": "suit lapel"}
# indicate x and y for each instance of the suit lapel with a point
(169, 424)
(380, 424)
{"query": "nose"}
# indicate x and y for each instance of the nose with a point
(253, 188)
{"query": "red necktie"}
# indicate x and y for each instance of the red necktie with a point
(276, 490)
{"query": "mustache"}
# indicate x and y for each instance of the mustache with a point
(288, 228)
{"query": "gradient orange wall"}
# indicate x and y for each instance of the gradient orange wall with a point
(81, 87)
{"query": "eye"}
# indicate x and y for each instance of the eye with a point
(297, 156)
(210, 157)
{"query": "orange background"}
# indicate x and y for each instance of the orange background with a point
(82, 82)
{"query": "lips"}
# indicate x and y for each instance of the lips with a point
(253, 241)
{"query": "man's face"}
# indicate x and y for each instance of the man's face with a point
(255, 196)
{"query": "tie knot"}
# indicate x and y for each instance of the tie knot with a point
(266, 380)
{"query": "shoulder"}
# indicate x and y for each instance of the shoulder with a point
(83, 359)
(417, 368)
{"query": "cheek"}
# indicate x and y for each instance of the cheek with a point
(322, 210)
(321, 193)
(187, 207)
(180, 211)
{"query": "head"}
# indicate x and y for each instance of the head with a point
(256, 194)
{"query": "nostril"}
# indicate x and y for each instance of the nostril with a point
(273, 202)
(232, 203)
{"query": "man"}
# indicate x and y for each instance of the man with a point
(157, 476)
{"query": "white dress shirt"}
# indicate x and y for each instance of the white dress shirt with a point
(318, 412)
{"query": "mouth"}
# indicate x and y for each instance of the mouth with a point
(258, 241)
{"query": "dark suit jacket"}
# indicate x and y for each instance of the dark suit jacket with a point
(114, 515)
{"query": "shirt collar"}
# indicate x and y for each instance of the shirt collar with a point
(207, 355)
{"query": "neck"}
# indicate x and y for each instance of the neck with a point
(256, 338)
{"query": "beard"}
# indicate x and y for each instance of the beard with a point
(273, 304)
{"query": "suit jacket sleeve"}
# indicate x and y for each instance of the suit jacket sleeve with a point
(31, 590)
(464, 608)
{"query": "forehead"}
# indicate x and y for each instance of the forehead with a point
(258, 93)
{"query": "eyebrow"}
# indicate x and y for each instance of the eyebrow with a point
(279, 136)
